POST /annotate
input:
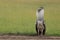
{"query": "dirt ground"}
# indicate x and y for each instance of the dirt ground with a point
(24, 37)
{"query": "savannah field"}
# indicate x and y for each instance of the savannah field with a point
(19, 16)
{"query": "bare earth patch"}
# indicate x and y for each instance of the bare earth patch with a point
(23, 37)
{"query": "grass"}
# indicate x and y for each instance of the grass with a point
(20, 15)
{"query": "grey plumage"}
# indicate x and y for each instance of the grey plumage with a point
(40, 25)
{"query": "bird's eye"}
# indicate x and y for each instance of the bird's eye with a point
(39, 10)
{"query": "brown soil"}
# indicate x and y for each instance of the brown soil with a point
(24, 37)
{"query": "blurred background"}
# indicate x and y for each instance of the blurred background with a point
(19, 16)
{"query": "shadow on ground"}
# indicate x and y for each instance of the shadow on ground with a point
(22, 34)
(27, 34)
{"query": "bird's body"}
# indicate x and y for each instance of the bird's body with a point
(40, 25)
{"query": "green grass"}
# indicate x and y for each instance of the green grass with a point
(20, 15)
